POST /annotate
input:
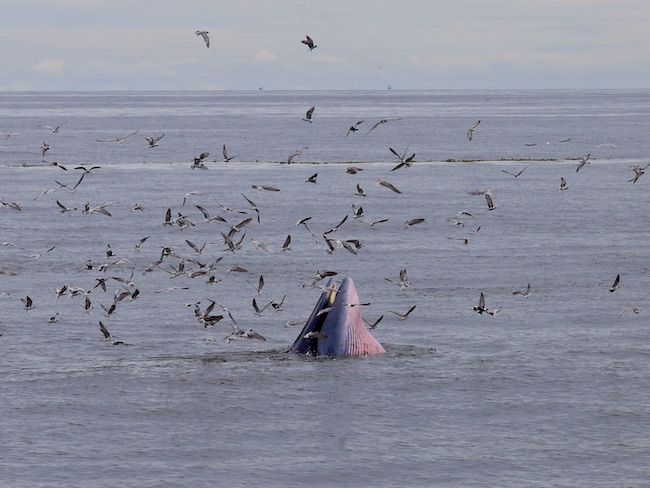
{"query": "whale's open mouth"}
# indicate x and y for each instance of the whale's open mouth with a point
(335, 326)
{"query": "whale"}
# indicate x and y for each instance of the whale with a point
(335, 327)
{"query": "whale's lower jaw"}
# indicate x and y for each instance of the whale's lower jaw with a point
(335, 327)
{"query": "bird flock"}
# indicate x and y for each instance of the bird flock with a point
(226, 231)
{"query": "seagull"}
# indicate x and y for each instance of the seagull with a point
(65, 209)
(44, 148)
(525, 292)
(373, 324)
(563, 184)
(638, 172)
(353, 170)
(309, 43)
(153, 141)
(7, 135)
(488, 200)
(226, 158)
(583, 161)
(119, 140)
(354, 127)
(409, 223)
(308, 115)
(402, 316)
(55, 130)
(616, 283)
(259, 286)
(258, 310)
(27, 302)
(249, 334)
(403, 280)
(207, 216)
(388, 185)
(312, 178)
(87, 170)
(334, 229)
(99, 209)
(304, 222)
(470, 131)
(294, 154)
(360, 191)
(403, 160)
(265, 187)
(205, 35)
(286, 244)
(516, 175)
(382, 121)
(481, 309)
(104, 330)
(634, 310)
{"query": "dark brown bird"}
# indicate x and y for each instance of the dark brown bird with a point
(308, 41)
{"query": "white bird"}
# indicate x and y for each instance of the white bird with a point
(205, 35)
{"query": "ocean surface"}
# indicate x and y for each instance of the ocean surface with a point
(552, 391)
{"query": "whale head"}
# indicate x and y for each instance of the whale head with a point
(335, 326)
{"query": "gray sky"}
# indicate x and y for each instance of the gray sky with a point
(362, 44)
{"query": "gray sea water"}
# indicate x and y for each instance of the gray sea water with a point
(553, 390)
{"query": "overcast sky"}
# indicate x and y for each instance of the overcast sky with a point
(362, 44)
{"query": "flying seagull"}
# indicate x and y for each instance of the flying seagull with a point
(638, 172)
(388, 185)
(470, 131)
(54, 130)
(119, 140)
(226, 158)
(402, 316)
(205, 35)
(354, 127)
(308, 115)
(153, 141)
(382, 121)
(525, 292)
(517, 174)
(583, 161)
(308, 41)
(403, 160)
(616, 283)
